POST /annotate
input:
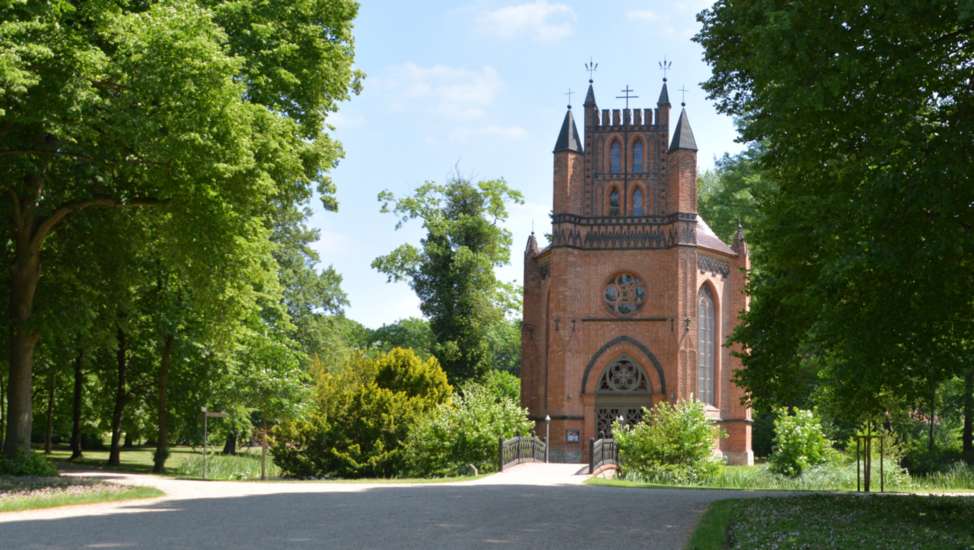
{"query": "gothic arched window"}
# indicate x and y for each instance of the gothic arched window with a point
(637, 203)
(637, 157)
(614, 202)
(615, 158)
(706, 364)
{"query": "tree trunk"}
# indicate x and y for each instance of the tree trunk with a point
(25, 275)
(162, 442)
(76, 407)
(114, 454)
(230, 447)
(3, 406)
(968, 435)
(933, 412)
(49, 428)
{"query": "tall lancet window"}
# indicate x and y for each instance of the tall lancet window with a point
(637, 203)
(614, 202)
(637, 157)
(706, 329)
(615, 158)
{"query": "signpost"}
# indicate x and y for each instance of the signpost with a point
(207, 415)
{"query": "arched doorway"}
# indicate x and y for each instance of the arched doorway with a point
(623, 390)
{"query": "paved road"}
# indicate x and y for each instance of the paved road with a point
(528, 507)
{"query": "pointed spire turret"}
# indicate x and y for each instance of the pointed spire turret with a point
(568, 136)
(590, 96)
(532, 247)
(740, 244)
(683, 135)
(664, 96)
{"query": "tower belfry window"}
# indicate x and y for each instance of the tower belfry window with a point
(615, 158)
(637, 157)
(637, 203)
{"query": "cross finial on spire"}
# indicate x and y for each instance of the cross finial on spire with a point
(626, 91)
(683, 100)
(665, 66)
(569, 94)
(591, 67)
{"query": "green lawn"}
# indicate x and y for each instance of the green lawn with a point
(184, 462)
(830, 477)
(28, 493)
(837, 521)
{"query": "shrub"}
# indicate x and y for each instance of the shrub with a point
(799, 442)
(464, 432)
(503, 384)
(673, 444)
(27, 463)
(361, 415)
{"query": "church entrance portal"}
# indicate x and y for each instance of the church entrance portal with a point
(623, 391)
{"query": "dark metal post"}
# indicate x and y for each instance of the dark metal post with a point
(205, 416)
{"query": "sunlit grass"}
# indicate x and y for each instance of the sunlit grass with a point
(29, 493)
(182, 462)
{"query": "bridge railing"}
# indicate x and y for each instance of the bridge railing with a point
(602, 454)
(520, 449)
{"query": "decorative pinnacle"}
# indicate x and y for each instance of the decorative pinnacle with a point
(626, 91)
(665, 66)
(591, 67)
(683, 100)
(569, 94)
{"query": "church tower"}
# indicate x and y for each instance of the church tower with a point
(630, 303)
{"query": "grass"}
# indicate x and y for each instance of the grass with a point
(837, 521)
(828, 477)
(185, 462)
(30, 493)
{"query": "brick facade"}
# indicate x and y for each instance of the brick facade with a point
(576, 344)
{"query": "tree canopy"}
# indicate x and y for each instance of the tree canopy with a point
(864, 113)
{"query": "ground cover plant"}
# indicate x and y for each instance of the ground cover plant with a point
(840, 521)
(183, 461)
(32, 492)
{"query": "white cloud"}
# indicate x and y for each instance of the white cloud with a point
(641, 15)
(541, 20)
(489, 131)
(452, 91)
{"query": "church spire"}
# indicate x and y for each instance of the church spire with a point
(568, 136)
(683, 135)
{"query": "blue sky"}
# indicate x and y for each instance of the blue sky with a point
(481, 86)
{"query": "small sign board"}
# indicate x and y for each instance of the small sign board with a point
(573, 436)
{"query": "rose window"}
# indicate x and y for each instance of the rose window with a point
(625, 294)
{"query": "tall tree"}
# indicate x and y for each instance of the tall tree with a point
(864, 111)
(452, 271)
(210, 109)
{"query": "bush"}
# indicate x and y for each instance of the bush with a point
(673, 444)
(503, 384)
(799, 442)
(27, 463)
(464, 432)
(361, 416)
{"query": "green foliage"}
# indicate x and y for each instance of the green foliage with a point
(502, 384)
(361, 415)
(412, 333)
(674, 444)
(27, 463)
(862, 114)
(465, 431)
(452, 271)
(799, 442)
(730, 193)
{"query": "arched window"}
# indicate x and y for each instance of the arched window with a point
(615, 158)
(614, 202)
(637, 203)
(706, 329)
(637, 157)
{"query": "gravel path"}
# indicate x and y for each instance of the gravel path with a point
(531, 506)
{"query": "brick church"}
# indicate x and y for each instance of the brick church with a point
(630, 303)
